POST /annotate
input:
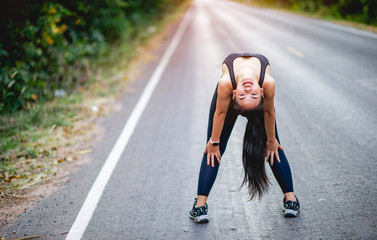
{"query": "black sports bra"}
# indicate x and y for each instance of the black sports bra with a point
(229, 62)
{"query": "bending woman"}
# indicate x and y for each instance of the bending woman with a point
(245, 88)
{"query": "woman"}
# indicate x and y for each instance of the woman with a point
(245, 88)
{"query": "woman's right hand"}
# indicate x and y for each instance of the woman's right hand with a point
(213, 152)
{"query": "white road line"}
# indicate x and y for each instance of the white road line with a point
(295, 52)
(78, 228)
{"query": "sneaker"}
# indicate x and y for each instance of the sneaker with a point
(199, 214)
(291, 208)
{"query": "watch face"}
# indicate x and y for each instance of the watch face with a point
(215, 144)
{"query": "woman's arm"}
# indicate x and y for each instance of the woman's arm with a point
(269, 119)
(222, 105)
(224, 91)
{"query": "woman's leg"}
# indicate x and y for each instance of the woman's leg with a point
(207, 175)
(282, 173)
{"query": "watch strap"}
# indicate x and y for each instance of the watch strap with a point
(214, 143)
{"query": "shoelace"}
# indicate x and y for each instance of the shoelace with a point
(198, 211)
(292, 205)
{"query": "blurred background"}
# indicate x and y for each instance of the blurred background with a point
(54, 55)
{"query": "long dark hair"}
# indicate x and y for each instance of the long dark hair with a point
(254, 149)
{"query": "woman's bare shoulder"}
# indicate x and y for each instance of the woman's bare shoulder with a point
(225, 70)
(268, 83)
(268, 79)
(225, 84)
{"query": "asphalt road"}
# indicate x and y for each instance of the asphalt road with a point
(326, 96)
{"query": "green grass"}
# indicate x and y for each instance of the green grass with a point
(19, 129)
(27, 157)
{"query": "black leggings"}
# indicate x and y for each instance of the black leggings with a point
(207, 175)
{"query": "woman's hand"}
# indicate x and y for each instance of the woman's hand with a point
(272, 150)
(213, 152)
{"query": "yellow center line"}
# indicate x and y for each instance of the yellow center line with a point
(295, 52)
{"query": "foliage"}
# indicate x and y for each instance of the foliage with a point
(363, 11)
(57, 44)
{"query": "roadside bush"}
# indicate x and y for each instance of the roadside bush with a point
(363, 11)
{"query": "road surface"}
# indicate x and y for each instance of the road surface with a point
(326, 107)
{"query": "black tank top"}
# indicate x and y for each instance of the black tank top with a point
(229, 63)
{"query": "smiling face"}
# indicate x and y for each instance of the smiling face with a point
(248, 94)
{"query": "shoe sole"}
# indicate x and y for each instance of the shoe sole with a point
(200, 219)
(289, 213)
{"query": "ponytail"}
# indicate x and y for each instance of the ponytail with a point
(253, 155)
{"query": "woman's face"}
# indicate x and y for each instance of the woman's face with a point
(248, 94)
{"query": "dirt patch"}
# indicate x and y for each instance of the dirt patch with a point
(12, 207)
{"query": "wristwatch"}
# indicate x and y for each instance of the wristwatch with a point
(214, 143)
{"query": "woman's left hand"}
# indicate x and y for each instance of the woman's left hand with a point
(272, 150)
